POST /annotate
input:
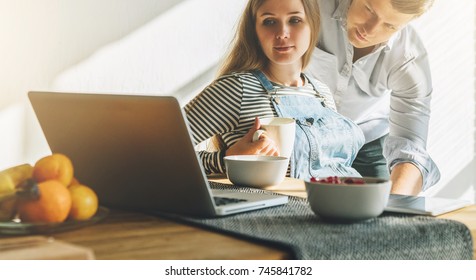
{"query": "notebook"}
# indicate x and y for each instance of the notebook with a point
(431, 206)
(136, 152)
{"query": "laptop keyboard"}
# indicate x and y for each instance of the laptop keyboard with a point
(219, 201)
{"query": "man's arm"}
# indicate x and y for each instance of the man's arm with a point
(412, 169)
(406, 179)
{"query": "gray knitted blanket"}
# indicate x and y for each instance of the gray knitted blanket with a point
(390, 236)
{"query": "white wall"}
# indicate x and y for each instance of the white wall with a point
(42, 38)
(39, 40)
(140, 46)
(448, 32)
(165, 47)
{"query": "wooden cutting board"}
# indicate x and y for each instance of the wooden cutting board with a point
(41, 248)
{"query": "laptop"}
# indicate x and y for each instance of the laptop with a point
(430, 206)
(137, 153)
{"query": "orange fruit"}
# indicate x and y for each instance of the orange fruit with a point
(53, 205)
(54, 167)
(84, 202)
(74, 181)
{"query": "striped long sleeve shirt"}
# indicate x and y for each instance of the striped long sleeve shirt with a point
(228, 107)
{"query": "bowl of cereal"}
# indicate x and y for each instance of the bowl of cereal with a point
(255, 170)
(348, 198)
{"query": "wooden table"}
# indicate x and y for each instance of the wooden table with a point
(130, 235)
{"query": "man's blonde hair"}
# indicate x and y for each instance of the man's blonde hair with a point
(412, 7)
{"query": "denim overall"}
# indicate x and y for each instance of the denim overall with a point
(326, 142)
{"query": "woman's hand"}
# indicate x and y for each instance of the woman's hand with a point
(246, 146)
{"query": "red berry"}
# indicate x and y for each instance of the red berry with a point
(356, 181)
(337, 180)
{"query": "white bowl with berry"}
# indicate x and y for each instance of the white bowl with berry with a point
(347, 199)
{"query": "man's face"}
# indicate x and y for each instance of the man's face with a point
(371, 22)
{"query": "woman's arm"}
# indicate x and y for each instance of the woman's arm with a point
(214, 111)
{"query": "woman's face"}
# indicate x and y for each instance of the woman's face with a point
(283, 31)
(371, 22)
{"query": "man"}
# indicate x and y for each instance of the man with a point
(378, 71)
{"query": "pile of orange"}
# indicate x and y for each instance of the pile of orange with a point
(61, 195)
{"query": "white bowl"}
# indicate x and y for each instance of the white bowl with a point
(256, 171)
(349, 202)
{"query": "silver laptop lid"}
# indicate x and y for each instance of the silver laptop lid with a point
(134, 151)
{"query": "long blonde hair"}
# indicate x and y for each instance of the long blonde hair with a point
(246, 53)
(412, 7)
